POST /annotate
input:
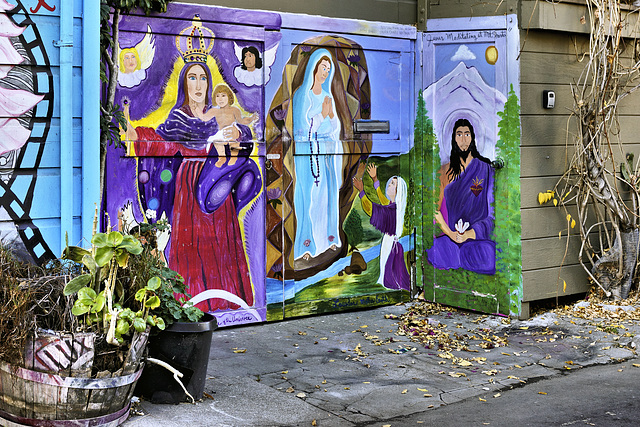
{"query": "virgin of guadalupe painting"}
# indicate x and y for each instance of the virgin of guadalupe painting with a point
(206, 245)
(310, 121)
(318, 177)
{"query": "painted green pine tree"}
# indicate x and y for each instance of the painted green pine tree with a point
(507, 233)
(427, 181)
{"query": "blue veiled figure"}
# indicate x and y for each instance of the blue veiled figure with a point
(318, 161)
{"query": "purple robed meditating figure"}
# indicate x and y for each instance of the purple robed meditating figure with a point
(465, 215)
(388, 218)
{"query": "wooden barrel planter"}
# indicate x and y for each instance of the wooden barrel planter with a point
(34, 398)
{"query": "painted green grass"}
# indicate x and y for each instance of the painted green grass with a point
(344, 286)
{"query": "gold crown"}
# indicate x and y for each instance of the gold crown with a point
(193, 44)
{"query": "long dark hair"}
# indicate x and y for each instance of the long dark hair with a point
(455, 162)
(255, 53)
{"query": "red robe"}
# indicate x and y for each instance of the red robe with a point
(206, 248)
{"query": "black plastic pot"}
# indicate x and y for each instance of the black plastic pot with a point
(184, 346)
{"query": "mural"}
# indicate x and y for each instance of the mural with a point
(203, 157)
(244, 143)
(191, 156)
(25, 83)
(334, 238)
(467, 124)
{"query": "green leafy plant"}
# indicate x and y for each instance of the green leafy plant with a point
(174, 309)
(174, 298)
(97, 287)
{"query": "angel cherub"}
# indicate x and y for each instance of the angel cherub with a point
(250, 70)
(135, 60)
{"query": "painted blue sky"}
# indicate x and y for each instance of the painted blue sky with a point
(472, 54)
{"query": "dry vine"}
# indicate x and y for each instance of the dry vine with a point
(601, 183)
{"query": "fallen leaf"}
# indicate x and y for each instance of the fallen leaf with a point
(637, 365)
(405, 391)
(207, 395)
(243, 350)
(457, 374)
(542, 392)
(284, 372)
(482, 400)
(423, 389)
(301, 395)
(427, 395)
(497, 395)
(314, 423)
(290, 390)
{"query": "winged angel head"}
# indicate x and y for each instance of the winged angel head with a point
(252, 67)
(135, 60)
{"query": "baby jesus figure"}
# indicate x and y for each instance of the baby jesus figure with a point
(226, 115)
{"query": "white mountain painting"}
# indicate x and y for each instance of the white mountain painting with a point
(464, 94)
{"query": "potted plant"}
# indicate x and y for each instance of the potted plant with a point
(84, 364)
(185, 343)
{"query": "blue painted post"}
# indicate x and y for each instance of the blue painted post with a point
(66, 122)
(90, 114)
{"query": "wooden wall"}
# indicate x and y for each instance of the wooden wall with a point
(550, 61)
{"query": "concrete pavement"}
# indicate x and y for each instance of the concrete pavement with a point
(353, 368)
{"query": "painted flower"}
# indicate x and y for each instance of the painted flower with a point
(307, 242)
(332, 238)
(279, 114)
(151, 214)
(353, 59)
(13, 102)
(461, 226)
(274, 193)
(277, 271)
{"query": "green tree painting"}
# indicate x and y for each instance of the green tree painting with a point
(427, 182)
(507, 209)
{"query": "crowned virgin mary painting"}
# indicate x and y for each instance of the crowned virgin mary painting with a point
(206, 245)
